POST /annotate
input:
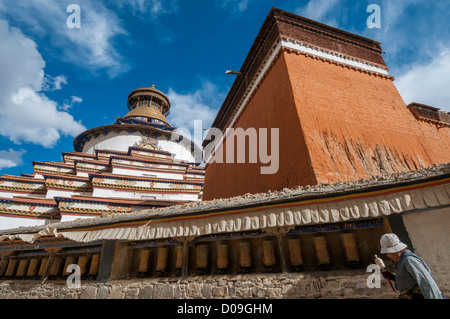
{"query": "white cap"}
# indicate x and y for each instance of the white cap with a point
(390, 243)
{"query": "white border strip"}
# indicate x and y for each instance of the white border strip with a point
(334, 57)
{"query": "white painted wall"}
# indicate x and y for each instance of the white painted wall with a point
(15, 222)
(141, 173)
(123, 140)
(68, 218)
(430, 236)
(52, 193)
(112, 141)
(82, 174)
(111, 193)
(12, 194)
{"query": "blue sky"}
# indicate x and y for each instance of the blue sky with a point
(56, 81)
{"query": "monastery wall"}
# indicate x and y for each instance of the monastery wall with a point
(357, 124)
(339, 284)
(429, 235)
(271, 106)
(340, 116)
(336, 123)
(431, 131)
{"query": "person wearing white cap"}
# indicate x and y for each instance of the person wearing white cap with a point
(413, 277)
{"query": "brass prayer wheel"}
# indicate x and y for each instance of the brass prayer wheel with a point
(161, 261)
(320, 245)
(95, 263)
(179, 257)
(350, 247)
(222, 256)
(69, 261)
(33, 267)
(23, 267)
(245, 254)
(44, 262)
(56, 266)
(82, 263)
(12, 265)
(295, 252)
(3, 266)
(268, 251)
(202, 256)
(144, 256)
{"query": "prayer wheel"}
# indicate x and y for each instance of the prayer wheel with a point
(268, 251)
(295, 252)
(33, 267)
(23, 267)
(12, 266)
(245, 254)
(43, 266)
(202, 256)
(95, 264)
(69, 261)
(144, 256)
(83, 262)
(56, 266)
(320, 244)
(222, 256)
(179, 257)
(161, 261)
(3, 266)
(350, 247)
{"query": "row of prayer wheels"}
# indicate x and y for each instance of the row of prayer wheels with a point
(162, 254)
(39, 266)
(245, 254)
(350, 249)
(218, 256)
(202, 258)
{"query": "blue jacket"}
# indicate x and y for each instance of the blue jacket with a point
(411, 271)
(403, 279)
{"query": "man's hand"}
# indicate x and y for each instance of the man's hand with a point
(388, 275)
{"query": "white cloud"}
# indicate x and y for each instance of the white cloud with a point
(397, 25)
(32, 117)
(233, 5)
(319, 10)
(11, 158)
(25, 114)
(416, 38)
(201, 105)
(76, 99)
(90, 46)
(155, 8)
(151, 12)
(427, 83)
(53, 83)
(21, 63)
(68, 104)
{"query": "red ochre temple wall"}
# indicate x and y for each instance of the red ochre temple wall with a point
(336, 123)
(357, 125)
(272, 106)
